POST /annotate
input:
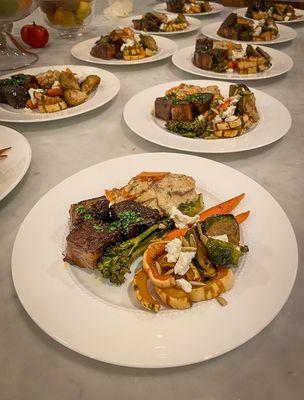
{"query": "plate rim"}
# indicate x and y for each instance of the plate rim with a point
(234, 77)
(55, 116)
(26, 165)
(282, 212)
(196, 150)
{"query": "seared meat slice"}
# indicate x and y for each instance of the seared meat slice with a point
(103, 49)
(203, 60)
(183, 111)
(133, 218)
(87, 242)
(163, 108)
(14, 95)
(203, 104)
(175, 6)
(87, 210)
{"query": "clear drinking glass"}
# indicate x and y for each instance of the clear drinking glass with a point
(70, 18)
(12, 53)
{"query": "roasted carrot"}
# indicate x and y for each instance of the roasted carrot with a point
(55, 92)
(153, 175)
(31, 105)
(242, 217)
(223, 208)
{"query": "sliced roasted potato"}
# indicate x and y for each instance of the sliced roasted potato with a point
(153, 252)
(223, 282)
(173, 297)
(140, 286)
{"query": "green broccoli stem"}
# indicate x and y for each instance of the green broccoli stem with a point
(144, 244)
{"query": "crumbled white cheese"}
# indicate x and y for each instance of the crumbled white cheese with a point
(183, 262)
(128, 43)
(181, 220)
(80, 77)
(162, 27)
(32, 92)
(229, 70)
(56, 84)
(231, 118)
(235, 99)
(184, 285)
(217, 119)
(200, 117)
(237, 54)
(230, 111)
(173, 249)
(257, 31)
(223, 238)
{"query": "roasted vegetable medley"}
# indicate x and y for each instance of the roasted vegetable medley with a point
(279, 12)
(188, 6)
(203, 112)
(158, 22)
(226, 56)
(124, 44)
(47, 92)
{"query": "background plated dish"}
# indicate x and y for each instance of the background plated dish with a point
(274, 123)
(96, 313)
(105, 92)
(216, 8)
(15, 165)
(285, 34)
(242, 12)
(281, 63)
(194, 24)
(82, 51)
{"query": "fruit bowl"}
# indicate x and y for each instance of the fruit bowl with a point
(12, 54)
(69, 17)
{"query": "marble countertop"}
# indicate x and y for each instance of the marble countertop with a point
(33, 366)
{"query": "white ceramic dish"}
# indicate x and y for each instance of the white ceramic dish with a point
(242, 12)
(86, 314)
(15, 165)
(194, 24)
(275, 121)
(281, 63)
(285, 34)
(82, 51)
(216, 8)
(105, 92)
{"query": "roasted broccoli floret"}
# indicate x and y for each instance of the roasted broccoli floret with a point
(193, 207)
(197, 128)
(117, 259)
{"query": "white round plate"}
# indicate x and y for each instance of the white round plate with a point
(106, 91)
(216, 8)
(80, 310)
(242, 11)
(166, 48)
(15, 165)
(275, 121)
(281, 63)
(285, 34)
(194, 24)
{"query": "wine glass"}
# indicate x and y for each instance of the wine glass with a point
(12, 54)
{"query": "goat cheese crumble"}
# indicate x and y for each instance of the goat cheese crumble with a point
(184, 285)
(181, 220)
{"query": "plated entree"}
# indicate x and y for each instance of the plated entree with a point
(124, 44)
(159, 22)
(236, 27)
(226, 56)
(279, 12)
(205, 113)
(188, 6)
(188, 252)
(48, 91)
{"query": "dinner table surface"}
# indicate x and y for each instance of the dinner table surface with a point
(33, 365)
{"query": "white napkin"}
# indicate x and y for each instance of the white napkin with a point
(118, 8)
